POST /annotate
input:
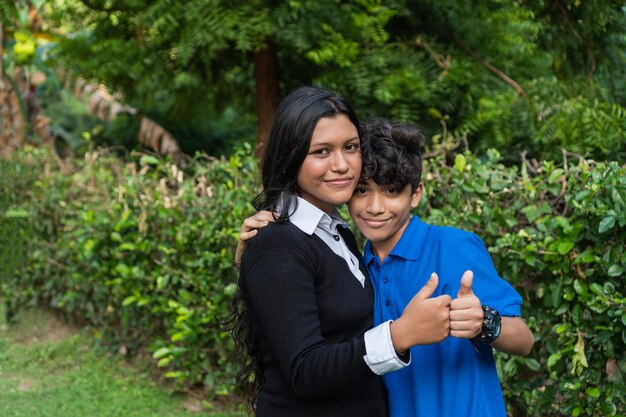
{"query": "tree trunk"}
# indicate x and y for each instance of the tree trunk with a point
(1, 48)
(11, 118)
(266, 76)
(3, 127)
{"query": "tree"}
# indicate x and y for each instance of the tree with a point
(498, 73)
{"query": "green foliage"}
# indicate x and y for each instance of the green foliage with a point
(177, 62)
(74, 127)
(71, 123)
(557, 234)
(144, 251)
(21, 42)
(583, 126)
(16, 221)
(24, 47)
(529, 76)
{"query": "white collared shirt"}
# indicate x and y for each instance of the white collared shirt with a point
(312, 220)
(381, 357)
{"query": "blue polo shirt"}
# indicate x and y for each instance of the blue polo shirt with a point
(449, 378)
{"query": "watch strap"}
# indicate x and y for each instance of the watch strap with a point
(491, 325)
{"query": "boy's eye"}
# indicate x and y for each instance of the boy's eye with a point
(392, 190)
(360, 190)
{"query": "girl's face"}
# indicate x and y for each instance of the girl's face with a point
(331, 170)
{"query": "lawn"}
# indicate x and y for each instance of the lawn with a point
(49, 369)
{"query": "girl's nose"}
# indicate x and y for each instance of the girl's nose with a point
(339, 163)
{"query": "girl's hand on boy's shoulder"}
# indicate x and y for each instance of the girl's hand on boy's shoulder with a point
(249, 229)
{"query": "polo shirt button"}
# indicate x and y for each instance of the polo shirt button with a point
(385, 280)
(387, 303)
(336, 237)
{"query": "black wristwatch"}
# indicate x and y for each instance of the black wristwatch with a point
(491, 326)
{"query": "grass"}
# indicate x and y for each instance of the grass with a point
(48, 369)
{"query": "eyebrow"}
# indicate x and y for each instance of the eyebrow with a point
(327, 143)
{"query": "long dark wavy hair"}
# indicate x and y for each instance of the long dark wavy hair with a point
(288, 144)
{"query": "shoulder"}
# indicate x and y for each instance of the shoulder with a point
(453, 235)
(279, 239)
(274, 230)
(275, 235)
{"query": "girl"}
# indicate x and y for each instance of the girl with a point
(304, 307)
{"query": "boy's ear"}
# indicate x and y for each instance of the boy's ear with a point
(417, 195)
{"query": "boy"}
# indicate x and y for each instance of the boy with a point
(457, 376)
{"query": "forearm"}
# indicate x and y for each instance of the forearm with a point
(515, 337)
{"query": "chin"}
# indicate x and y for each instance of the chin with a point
(372, 236)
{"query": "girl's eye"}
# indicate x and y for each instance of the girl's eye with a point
(351, 147)
(320, 151)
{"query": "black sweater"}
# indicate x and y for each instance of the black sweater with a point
(310, 314)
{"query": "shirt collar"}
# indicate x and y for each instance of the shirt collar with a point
(307, 218)
(408, 247)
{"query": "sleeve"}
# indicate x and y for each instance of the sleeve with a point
(381, 355)
(282, 297)
(489, 287)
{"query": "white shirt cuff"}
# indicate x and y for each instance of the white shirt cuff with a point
(380, 356)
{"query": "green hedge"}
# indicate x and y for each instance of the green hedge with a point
(557, 234)
(143, 251)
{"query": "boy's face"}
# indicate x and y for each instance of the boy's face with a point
(382, 212)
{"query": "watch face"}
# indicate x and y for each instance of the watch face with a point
(492, 324)
(497, 322)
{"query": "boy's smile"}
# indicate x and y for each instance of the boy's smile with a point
(382, 212)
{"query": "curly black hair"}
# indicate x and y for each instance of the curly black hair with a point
(392, 153)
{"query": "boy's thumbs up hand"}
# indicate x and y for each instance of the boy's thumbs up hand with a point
(424, 320)
(466, 284)
(466, 312)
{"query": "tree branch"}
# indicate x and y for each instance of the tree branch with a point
(493, 69)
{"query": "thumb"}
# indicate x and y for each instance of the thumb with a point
(466, 284)
(429, 288)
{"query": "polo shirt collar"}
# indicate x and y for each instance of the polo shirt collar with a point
(307, 218)
(408, 247)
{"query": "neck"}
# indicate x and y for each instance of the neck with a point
(381, 250)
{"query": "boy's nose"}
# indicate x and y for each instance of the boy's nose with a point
(375, 204)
